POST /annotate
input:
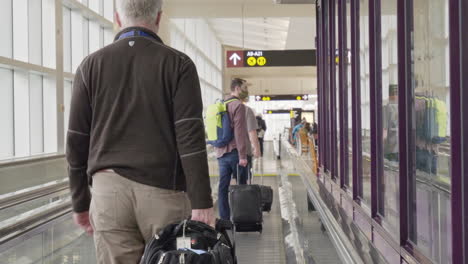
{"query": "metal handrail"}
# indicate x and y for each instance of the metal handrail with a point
(20, 226)
(30, 194)
(23, 224)
(30, 159)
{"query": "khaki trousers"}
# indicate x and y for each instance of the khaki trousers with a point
(126, 214)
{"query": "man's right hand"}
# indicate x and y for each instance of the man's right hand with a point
(243, 162)
(205, 216)
(82, 220)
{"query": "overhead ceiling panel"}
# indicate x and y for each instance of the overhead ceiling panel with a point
(252, 33)
(294, 1)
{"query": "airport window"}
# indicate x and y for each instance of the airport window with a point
(338, 95)
(36, 114)
(20, 30)
(195, 38)
(388, 182)
(35, 32)
(430, 205)
(48, 34)
(6, 113)
(67, 93)
(67, 56)
(364, 85)
(28, 102)
(326, 97)
(348, 89)
(6, 27)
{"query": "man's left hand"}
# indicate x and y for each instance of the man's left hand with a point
(82, 220)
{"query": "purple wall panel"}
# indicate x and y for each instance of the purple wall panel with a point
(425, 226)
(386, 250)
(336, 193)
(363, 224)
(348, 207)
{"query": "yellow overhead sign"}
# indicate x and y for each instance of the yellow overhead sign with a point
(261, 61)
(252, 61)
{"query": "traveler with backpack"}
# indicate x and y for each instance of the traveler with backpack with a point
(253, 146)
(232, 156)
(136, 133)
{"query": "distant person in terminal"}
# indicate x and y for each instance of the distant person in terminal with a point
(390, 125)
(315, 133)
(233, 156)
(261, 131)
(296, 130)
(136, 134)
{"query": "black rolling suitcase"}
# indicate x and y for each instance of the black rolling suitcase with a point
(246, 207)
(267, 195)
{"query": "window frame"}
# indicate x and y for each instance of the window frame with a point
(458, 127)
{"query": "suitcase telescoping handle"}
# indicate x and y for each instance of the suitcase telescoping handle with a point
(260, 165)
(249, 174)
(252, 169)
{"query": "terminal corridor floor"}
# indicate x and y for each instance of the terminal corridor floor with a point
(291, 234)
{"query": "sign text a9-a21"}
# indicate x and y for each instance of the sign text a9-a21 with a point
(271, 58)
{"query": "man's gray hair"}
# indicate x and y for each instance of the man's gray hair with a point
(138, 11)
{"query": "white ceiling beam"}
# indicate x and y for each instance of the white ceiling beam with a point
(252, 34)
(278, 23)
(223, 10)
(262, 42)
(248, 24)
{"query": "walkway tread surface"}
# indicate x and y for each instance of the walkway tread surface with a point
(267, 247)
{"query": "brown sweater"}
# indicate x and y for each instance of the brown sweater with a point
(237, 114)
(136, 109)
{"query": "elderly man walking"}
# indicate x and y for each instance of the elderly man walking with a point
(136, 134)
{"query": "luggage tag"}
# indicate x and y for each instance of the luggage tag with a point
(183, 241)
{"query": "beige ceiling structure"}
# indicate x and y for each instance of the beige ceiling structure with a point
(235, 9)
(259, 25)
(252, 24)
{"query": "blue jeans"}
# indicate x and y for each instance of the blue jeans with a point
(227, 170)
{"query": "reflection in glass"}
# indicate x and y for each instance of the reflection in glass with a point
(337, 89)
(365, 99)
(430, 183)
(388, 182)
(349, 112)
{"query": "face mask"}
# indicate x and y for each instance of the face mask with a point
(243, 95)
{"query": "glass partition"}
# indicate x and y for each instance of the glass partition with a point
(430, 224)
(348, 90)
(364, 82)
(388, 189)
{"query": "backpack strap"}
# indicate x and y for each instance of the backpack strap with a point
(231, 100)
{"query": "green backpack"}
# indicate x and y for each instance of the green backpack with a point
(218, 124)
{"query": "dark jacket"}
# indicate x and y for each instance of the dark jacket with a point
(261, 124)
(136, 109)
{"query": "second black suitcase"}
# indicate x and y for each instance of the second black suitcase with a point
(267, 193)
(267, 197)
(246, 207)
